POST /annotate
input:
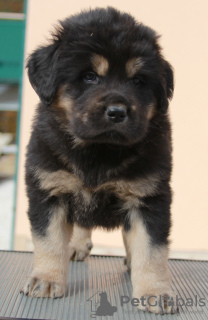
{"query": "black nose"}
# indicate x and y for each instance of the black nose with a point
(116, 113)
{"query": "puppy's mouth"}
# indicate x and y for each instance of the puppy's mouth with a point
(108, 137)
(118, 134)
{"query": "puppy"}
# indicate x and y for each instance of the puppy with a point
(100, 151)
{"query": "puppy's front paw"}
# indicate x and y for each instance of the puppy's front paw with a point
(40, 288)
(158, 303)
(80, 250)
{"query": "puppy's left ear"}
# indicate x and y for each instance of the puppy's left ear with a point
(42, 69)
(166, 87)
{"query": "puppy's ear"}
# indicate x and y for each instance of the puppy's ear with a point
(166, 87)
(42, 68)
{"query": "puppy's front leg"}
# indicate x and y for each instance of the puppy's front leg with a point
(149, 268)
(51, 257)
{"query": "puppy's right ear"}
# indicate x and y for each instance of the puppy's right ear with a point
(42, 69)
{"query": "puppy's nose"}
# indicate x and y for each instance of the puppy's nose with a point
(116, 113)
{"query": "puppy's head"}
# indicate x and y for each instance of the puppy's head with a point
(103, 76)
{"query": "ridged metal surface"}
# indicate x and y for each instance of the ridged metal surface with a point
(89, 278)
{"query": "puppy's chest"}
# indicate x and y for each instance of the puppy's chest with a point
(105, 204)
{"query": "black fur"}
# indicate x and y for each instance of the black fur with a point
(144, 144)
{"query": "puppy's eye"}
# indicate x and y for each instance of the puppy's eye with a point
(90, 77)
(138, 82)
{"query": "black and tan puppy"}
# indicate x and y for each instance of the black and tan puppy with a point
(100, 151)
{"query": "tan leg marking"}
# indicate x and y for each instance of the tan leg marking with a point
(51, 259)
(149, 268)
(80, 244)
(100, 64)
(133, 66)
(138, 188)
(61, 181)
(58, 182)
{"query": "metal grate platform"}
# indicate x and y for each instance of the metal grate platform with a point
(89, 278)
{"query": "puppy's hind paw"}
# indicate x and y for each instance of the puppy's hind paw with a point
(127, 263)
(79, 251)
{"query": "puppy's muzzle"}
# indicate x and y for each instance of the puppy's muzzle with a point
(116, 113)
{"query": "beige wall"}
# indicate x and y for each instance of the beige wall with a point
(184, 26)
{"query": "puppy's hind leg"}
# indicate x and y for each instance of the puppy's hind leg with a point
(51, 257)
(127, 259)
(80, 244)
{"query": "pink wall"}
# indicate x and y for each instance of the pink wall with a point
(184, 26)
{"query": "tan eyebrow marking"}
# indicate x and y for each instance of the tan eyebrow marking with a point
(133, 66)
(100, 64)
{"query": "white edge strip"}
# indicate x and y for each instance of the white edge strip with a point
(12, 16)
